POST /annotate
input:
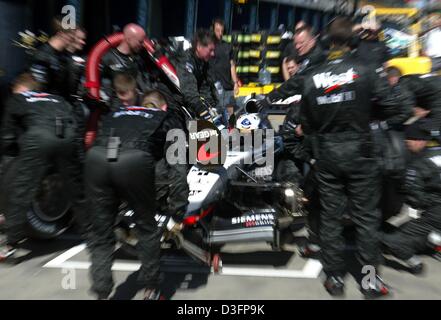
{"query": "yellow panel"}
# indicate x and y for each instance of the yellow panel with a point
(273, 70)
(274, 40)
(418, 65)
(254, 69)
(227, 38)
(256, 38)
(255, 88)
(244, 54)
(248, 90)
(254, 54)
(273, 55)
(399, 11)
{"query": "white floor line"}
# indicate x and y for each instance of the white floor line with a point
(62, 262)
(58, 261)
(85, 265)
(311, 269)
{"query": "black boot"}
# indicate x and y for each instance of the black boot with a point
(434, 242)
(7, 252)
(99, 295)
(309, 251)
(376, 289)
(153, 294)
(335, 285)
(415, 265)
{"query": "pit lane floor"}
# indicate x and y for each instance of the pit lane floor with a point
(58, 270)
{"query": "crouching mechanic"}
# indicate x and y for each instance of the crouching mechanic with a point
(121, 166)
(39, 131)
(425, 94)
(422, 189)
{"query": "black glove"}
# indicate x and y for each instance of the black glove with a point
(263, 104)
(206, 116)
(94, 104)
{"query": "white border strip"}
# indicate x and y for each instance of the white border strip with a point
(58, 261)
(311, 269)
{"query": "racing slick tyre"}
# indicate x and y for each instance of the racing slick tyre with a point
(49, 215)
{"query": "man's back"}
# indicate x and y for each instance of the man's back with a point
(337, 96)
(423, 182)
(37, 109)
(137, 127)
(426, 88)
(220, 65)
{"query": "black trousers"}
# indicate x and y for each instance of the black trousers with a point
(310, 189)
(131, 178)
(40, 149)
(348, 175)
(411, 238)
(287, 171)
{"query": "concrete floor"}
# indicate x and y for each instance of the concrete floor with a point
(288, 276)
(277, 276)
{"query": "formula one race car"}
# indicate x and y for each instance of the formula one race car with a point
(240, 200)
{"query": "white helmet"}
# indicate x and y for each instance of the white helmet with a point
(248, 122)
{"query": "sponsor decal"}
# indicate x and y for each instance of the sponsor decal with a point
(41, 95)
(132, 113)
(246, 123)
(193, 193)
(203, 134)
(207, 147)
(330, 82)
(336, 98)
(254, 220)
(205, 155)
(38, 97)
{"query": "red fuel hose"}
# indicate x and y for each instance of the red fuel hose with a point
(93, 83)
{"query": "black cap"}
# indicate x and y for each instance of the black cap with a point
(422, 129)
